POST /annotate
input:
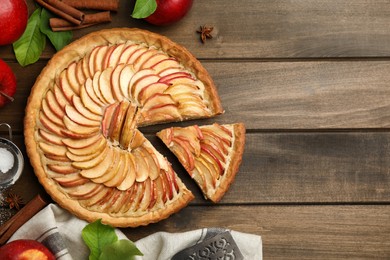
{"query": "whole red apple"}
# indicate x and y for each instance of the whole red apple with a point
(169, 11)
(25, 249)
(7, 83)
(13, 20)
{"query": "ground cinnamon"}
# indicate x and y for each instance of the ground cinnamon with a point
(63, 10)
(106, 5)
(58, 24)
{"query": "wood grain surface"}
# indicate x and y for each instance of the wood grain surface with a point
(310, 79)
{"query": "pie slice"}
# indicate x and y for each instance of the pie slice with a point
(83, 117)
(211, 154)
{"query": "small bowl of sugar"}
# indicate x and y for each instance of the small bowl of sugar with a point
(11, 161)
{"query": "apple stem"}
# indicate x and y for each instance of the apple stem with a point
(7, 96)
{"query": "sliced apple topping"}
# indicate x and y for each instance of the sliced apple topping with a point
(107, 117)
(127, 52)
(79, 118)
(165, 64)
(71, 180)
(62, 168)
(125, 77)
(50, 148)
(130, 173)
(105, 85)
(142, 83)
(59, 97)
(54, 106)
(71, 75)
(136, 54)
(98, 61)
(79, 106)
(110, 173)
(129, 127)
(153, 60)
(65, 86)
(147, 91)
(211, 154)
(145, 56)
(97, 88)
(50, 137)
(117, 121)
(86, 146)
(76, 128)
(80, 73)
(84, 191)
(161, 106)
(114, 57)
(138, 75)
(115, 82)
(89, 100)
(51, 115)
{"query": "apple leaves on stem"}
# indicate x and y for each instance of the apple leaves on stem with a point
(103, 243)
(29, 47)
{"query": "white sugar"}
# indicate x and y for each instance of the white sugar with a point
(6, 160)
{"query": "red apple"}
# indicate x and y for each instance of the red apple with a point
(24, 249)
(7, 83)
(169, 11)
(13, 20)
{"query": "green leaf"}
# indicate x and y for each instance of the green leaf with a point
(144, 8)
(58, 39)
(29, 47)
(120, 250)
(97, 235)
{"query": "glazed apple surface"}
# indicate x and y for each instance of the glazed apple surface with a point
(13, 20)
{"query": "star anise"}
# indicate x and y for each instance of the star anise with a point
(205, 32)
(14, 201)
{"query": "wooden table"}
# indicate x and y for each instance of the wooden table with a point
(311, 81)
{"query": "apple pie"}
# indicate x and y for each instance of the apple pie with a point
(211, 154)
(83, 118)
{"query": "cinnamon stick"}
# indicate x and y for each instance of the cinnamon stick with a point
(100, 17)
(106, 5)
(63, 10)
(21, 217)
(58, 24)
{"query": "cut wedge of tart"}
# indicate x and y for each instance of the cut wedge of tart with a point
(211, 154)
(83, 117)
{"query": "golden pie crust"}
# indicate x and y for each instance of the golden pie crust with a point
(213, 165)
(60, 119)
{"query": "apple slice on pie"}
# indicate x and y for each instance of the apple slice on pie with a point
(211, 154)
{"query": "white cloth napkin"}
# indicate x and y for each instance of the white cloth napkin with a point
(60, 231)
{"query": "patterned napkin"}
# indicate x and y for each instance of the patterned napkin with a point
(60, 231)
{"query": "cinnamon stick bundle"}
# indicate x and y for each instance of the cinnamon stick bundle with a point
(58, 24)
(106, 5)
(63, 10)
